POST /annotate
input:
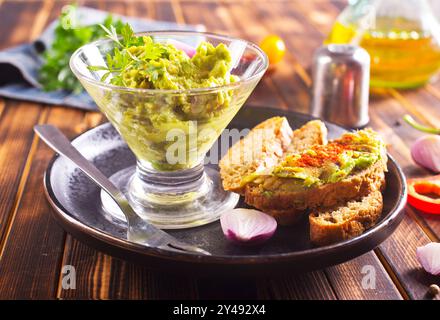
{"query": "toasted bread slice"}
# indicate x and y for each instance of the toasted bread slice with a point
(282, 195)
(326, 195)
(347, 221)
(263, 148)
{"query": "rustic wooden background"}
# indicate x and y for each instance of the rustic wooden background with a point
(33, 248)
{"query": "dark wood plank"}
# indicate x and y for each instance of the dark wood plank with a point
(17, 120)
(119, 7)
(417, 104)
(282, 79)
(100, 276)
(55, 12)
(432, 223)
(163, 11)
(15, 17)
(399, 251)
(349, 282)
(423, 104)
(96, 4)
(33, 249)
(321, 14)
(410, 234)
(29, 273)
(217, 18)
(15, 144)
(303, 37)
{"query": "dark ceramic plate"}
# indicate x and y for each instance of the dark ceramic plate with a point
(76, 201)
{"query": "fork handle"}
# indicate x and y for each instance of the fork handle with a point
(55, 139)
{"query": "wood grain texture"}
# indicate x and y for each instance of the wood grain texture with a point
(15, 143)
(24, 214)
(34, 246)
(103, 277)
(17, 18)
(16, 129)
(265, 94)
(277, 80)
(399, 251)
(350, 280)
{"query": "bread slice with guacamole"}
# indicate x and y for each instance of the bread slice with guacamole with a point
(264, 147)
(322, 177)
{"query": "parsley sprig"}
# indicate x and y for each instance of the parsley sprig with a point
(55, 73)
(130, 52)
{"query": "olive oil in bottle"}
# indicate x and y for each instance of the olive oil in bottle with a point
(404, 49)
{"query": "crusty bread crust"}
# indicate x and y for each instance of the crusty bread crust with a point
(347, 221)
(327, 195)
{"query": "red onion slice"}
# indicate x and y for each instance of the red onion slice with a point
(247, 226)
(426, 152)
(190, 51)
(429, 257)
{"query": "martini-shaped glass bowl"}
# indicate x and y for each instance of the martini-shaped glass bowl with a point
(170, 131)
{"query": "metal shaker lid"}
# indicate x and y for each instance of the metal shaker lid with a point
(341, 79)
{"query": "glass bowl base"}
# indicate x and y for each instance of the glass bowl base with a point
(177, 210)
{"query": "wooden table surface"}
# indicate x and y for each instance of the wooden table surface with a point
(33, 248)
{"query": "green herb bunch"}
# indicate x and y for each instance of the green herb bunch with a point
(55, 73)
(133, 53)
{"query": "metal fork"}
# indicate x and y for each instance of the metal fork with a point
(139, 230)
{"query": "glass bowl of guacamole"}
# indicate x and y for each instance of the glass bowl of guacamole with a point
(170, 94)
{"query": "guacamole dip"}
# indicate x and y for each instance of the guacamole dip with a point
(334, 161)
(173, 69)
(168, 130)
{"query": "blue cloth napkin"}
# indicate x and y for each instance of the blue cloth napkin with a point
(19, 65)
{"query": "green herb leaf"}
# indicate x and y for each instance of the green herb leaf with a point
(105, 76)
(112, 33)
(127, 34)
(97, 68)
(132, 51)
(55, 73)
